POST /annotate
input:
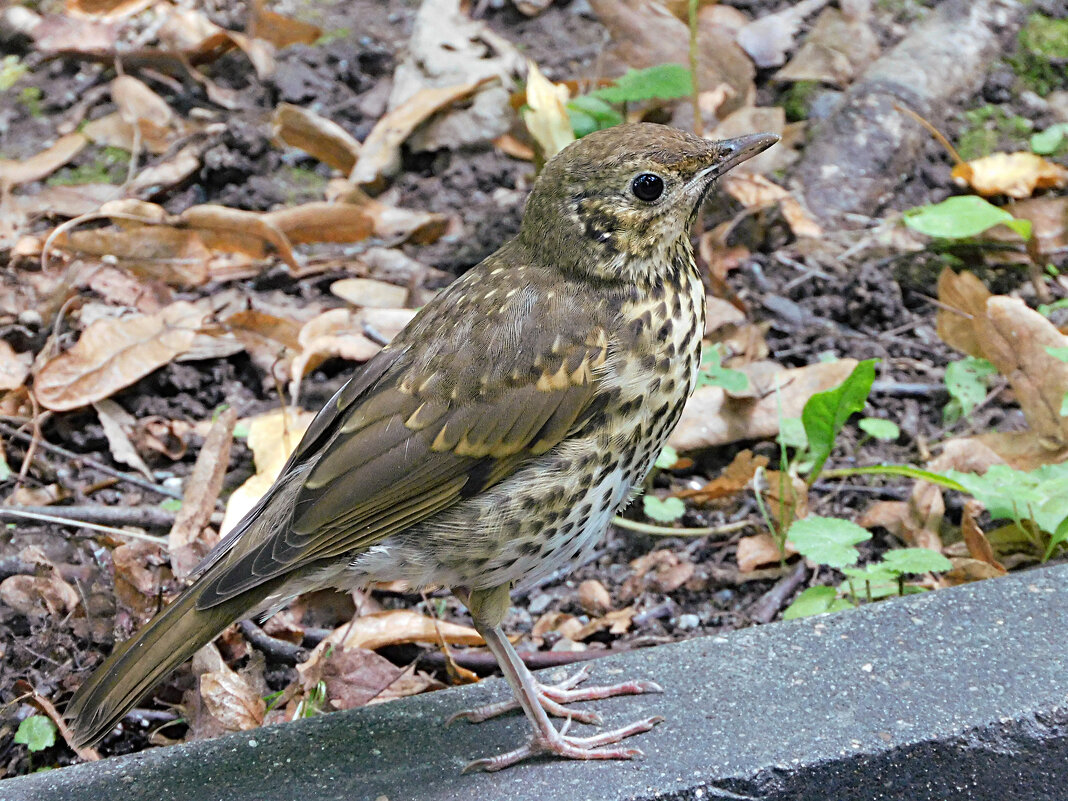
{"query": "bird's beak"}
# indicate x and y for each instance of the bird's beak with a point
(732, 152)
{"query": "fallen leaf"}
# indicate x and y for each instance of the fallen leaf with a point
(140, 573)
(978, 545)
(316, 135)
(1048, 216)
(757, 192)
(963, 298)
(167, 173)
(662, 570)
(177, 257)
(966, 570)
(355, 677)
(593, 597)
(369, 292)
(546, 115)
(395, 627)
(14, 367)
(1017, 175)
(112, 130)
(39, 596)
(113, 354)
(272, 438)
(786, 497)
(117, 424)
(231, 700)
(45, 495)
(106, 9)
(760, 549)
(615, 622)
(281, 30)
(711, 417)
(334, 333)
(735, 478)
(14, 172)
(380, 154)
(768, 39)
(836, 49)
(187, 543)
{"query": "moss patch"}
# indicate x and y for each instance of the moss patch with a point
(109, 167)
(1041, 61)
(987, 127)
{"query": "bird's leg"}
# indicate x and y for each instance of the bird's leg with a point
(487, 611)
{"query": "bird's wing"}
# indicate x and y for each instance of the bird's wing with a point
(406, 439)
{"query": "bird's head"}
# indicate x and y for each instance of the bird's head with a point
(626, 193)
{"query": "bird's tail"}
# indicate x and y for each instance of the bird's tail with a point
(138, 664)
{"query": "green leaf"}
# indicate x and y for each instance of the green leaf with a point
(828, 540)
(886, 430)
(1046, 309)
(714, 374)
(664, 81)
(915, 560)
(815, 601)
(1058, 353)
(906, 470)
(668, 456)
(966, 381)
(663, 511)
(170, 504)
(241, 430)
(826, 412)
(869, 583)
(792, 433)
(1050, 140)
(962, 216)
(36, 733)
(1040, 495)
(589, 114)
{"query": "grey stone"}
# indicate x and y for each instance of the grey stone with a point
(956, 694)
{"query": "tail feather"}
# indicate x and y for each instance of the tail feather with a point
(138, 664)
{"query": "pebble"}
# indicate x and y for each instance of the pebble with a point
(688, 621)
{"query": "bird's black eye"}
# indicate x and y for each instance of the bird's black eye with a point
(647, 187)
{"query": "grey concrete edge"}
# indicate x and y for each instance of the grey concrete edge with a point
(955, 694)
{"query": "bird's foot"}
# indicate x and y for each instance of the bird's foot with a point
(559, 744)
(553, 697)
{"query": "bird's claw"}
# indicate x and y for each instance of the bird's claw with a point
(560, 745)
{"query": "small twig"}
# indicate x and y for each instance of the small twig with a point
(668, 531)
(905, 389)
(769, 604)
(278, 650)
(150, 517)
(90, 462)
(67, 521)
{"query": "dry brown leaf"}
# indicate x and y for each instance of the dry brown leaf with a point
(45, 495)
(511, 146)
(712, 418)
(113, 354)
(14, 172)
(324, 222)
(963, 298)
(231, 700)
(334, 333)
(978, 545)
(355, 677)
(118, 424)
(1049, 222)
(280, 30)
(616, 622)
(593, 597)
(167, 173)
(757, 192)
(112, 130)
(662, 570)
(106, 9)
(319, 137)
(1017, 175)
(380, 154)
(224, 228)
(187, 543)
(735, 477)
(138, 105)
(786, 497)
(140, 572)
(39, 596)
(835, 50)
(395, 627)
(369, 292)
(768, 39)
(272, 438)
(175, 256)
(916, 521)
(14, 367)
(66, 201)
(966, 570)
(1015, 338)
(760, 549)
(546, 115)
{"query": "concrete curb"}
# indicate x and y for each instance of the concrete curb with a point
(957, 694)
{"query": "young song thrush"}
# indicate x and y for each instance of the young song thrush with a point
(493, 440)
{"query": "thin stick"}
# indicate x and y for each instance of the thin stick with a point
(667, 531)
(937, 134)
(88, 461)
(68, 521)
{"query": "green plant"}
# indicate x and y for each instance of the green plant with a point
(1040, 496)
(825, 413)
(11, 69)
(966, 384)
(1041, 52)
(36, 732)
(663, 510)
(597, 109)
(1051, 140)
(714, 374)
(962, 216)
(876, 428)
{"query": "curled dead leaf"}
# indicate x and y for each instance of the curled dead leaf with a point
(15, 171)
(113, 354)
(1017, 175)
(39, 596)
(978, 545)
(760, 549)
(316, 135)
(231, 700)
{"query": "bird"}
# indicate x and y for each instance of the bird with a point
(492, 441)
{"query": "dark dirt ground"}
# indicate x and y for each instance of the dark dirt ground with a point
(863, 307)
